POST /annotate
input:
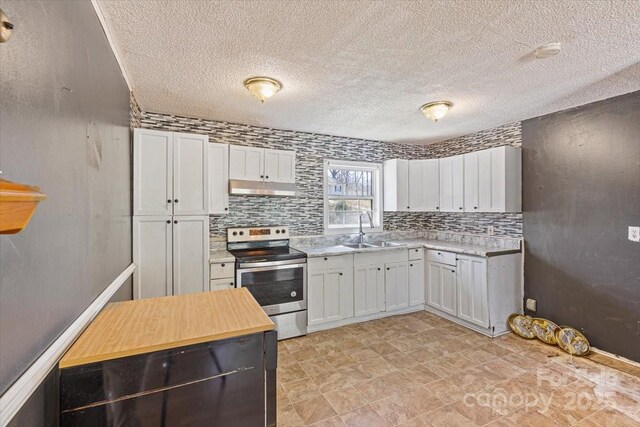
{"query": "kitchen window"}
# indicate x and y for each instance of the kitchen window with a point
(352, 189)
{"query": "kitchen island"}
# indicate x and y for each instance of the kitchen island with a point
(199, 359)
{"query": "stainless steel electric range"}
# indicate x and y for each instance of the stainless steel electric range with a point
(274, 273)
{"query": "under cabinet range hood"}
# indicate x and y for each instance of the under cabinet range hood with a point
(260, 188)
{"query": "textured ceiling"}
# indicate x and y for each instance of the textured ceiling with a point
(363, 68)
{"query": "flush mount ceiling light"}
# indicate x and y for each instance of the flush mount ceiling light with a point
(262, 87)
(547, 51)
(436, 110)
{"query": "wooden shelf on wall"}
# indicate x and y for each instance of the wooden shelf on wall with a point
(18, 202)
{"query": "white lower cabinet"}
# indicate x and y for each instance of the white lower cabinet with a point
(472, 290)
(416, 282)
(369, 292)
(396, 284)
(477, 292)
(171, 254)
(441, 287)
(329, 289)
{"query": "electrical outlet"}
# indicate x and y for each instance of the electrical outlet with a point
(531, 304)
(634, 234)
(491, 230)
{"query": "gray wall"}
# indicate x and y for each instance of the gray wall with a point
(581, 190)
(64, 126)
(303, 214)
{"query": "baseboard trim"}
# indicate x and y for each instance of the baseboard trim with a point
(365, 318)
(18, 394)
(616, 357)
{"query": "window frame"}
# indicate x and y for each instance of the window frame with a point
(376, 169)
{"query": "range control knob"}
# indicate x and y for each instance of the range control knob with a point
(235, 233)
(277, 231)
(284, 231)
(242, 233)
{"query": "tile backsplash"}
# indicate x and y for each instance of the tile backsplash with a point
(303, 214)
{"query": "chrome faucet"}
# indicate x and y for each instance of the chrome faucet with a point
(360, 221)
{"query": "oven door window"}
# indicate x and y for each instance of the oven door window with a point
(275, 287)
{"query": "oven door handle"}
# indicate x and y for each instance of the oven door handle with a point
(272, 267)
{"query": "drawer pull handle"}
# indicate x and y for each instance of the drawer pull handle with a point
(378, 268)
(439, 253)
(340, 274)
(326, 259)
(221, 265)
(175, 222)
(168, 221)
(410, 265)
(175, 200)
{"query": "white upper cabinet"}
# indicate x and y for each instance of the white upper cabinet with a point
(170, 173)
(493, 180)
(411, 185)
(260, 164)
(279, 165)
(452, 184)
(152, 172)
(218, 179)
(190, 174)
(396, 185)
(430, 184)
(416, 199)
(246, 163)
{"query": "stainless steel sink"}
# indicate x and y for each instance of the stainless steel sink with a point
(359, 245)
(373, 245)
(387, 245)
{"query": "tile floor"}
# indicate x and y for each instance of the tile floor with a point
(421, 370)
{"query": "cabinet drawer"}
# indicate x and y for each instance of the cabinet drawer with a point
(416, 254)
(221, 270)
(441, 257)
(325, 263)
(216, 285)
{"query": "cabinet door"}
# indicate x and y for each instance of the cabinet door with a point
(218, 179)
(279, 165)
(485, 181)
(434, 284)
(152, 255)
(396, 185)
(431, 184)
(452, 184)
(190, 254)
(416, 282)
(324, 290)
(441, 287)
(152, 172)
(396, 282)
(448, 290)
(246, 163)
(472, 290)
(416, 185)
(471, 182)
(190, 174)
(368, 290)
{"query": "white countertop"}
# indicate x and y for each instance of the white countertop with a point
(221, 255)
(457, 247)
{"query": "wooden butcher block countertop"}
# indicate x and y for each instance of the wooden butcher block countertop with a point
(135, 327)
